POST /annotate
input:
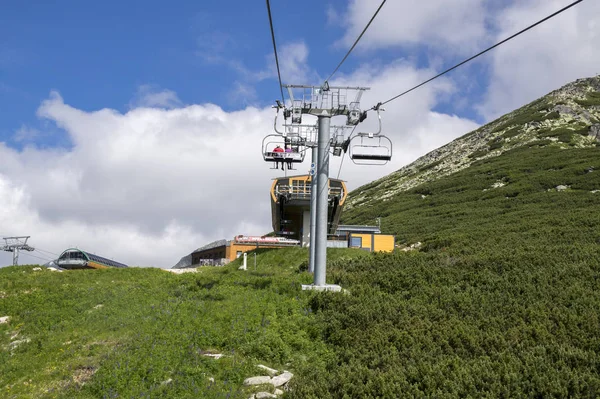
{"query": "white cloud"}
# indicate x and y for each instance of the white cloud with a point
(435, 23)
(242, 93)
(145, 186)
(26, 134)
(152, 96)
(554, 53)
(149, 186)
(293, 61)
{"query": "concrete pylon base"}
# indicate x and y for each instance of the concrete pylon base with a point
(326, 287)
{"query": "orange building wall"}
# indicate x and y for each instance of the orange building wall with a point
(376, 242)
(232, 249)
(384, 243)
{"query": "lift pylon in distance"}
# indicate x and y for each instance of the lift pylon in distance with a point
(16, 244)
(324, 102)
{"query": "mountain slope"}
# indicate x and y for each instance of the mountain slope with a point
(502, 297)
(565, 118)
(501, 300)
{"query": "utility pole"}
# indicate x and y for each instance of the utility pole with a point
(324, 102)
(14, 245)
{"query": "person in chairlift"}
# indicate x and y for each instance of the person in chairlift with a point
(288, 148)
(278, 150)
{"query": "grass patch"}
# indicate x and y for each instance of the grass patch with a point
(512, 132)
(125, 332)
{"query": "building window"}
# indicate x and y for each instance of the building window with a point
(238, 254)
(355, 242)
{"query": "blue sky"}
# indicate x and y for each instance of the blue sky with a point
(133, 129)
(98, 54)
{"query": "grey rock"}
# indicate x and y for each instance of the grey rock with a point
(264, 395)
(264, 379)
(564, 109)
(269, 370)
(4, 319)
(281, 379)
(215, 356)
(278, 392)
(561, 188)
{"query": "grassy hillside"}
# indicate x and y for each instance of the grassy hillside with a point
(127, 332)
(505, 203)
(502, 298)
(501, 301)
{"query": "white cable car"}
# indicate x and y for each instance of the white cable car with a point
(274, 148)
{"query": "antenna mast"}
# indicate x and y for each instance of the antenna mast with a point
(16, 244)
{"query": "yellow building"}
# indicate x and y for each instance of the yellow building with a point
(368, 238)
(372, 242)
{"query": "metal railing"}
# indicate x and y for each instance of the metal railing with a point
(211, 262)
(302, 192)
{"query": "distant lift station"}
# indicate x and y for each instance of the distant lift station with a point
(74, 258)
(290, 206)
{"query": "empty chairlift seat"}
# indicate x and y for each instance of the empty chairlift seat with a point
(370, 149)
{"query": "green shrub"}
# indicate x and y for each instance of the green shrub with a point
(591, 99)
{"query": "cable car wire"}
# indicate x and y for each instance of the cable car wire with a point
(480, 53)
(344, 156)
(356, 42)
(275, 51)
(341, 163)
(34, 256)
(43, 250)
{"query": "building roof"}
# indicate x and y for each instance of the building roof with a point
(214, 244)
(348, 228)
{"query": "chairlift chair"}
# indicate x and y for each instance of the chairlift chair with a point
(269, 155)
(370, 149)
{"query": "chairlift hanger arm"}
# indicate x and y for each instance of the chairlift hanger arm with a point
(373, 133)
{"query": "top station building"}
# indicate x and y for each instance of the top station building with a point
(290, 217)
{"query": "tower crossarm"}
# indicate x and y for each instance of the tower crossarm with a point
(324, 100)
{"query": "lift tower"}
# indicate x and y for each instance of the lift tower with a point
(324, 102)
(16, 244)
